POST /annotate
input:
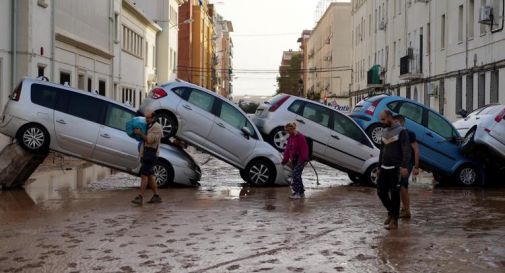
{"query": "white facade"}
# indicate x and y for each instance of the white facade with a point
(329, 55)
(166, 14)
(450, 61)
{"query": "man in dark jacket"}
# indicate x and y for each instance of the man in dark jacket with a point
(393, 162)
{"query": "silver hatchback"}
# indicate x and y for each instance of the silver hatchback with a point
(42, 116)
(214, 124)
(337, 140)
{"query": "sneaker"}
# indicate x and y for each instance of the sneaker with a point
(138, 200)
(155, 199)
(388, 220)
(295, 196)
(405, 213)
(393, 224)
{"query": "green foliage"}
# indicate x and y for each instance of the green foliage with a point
(249, 108)
(288, 81)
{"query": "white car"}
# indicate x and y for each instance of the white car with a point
(217, 126)
(484, 126)
(337, 140)
(42, 116)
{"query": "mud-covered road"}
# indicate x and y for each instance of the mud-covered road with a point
(80, 219)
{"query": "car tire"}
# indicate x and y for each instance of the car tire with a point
(278, 138)
(163, 173)
(440, 178)
(354, 177)
(468, 144)
(371, 175)
(168, 124)
(374, 132)
(34, 138)
(260, 172)
(467, 176)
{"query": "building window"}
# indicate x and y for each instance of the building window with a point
(483, 26)
(64, 77)
(90, 84)
(494, 91)
(102, 87)
(460, 23)
(428, 39)
(146, 56)
(154, 57)
(441, 98)
(80, 82)
(471, 18)
(400, 6)
(481, 98)
(459, 94)
(407, 92)
(116, 27)
(41, 70)
(128, 96)
(133, 42)
(442, 32)
(469, 93)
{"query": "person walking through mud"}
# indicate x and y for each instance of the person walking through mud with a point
(296, 157)
(412, 168)
(148, 154)
(394, 159)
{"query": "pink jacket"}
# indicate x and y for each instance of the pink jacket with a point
(296, 147)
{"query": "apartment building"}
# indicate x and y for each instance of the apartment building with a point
(447, 54)
(304, 40)
(223, 56)
(329, 56)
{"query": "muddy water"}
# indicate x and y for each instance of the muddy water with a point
(63, 223)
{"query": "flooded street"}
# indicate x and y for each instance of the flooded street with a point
(80, 219)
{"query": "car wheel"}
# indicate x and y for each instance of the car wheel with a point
(371, 175)
(375, 133)
(467, 175)
(468, 144)
(163, 173)
(168, 124)
(440, 178)
(354, 177)
(260, 173)
(34, 138)
(279, 139)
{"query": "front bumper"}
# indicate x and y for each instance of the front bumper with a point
(284, 175)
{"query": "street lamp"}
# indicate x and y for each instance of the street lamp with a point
(187, 21)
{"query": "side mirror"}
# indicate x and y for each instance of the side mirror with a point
(247, 133)
(463, 113)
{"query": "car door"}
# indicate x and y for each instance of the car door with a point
(195, 112)
(348, 145)
(413, 114)
(76, 121)
(44, 100)
(114, 147)
(313, 121)
(226, 137)
(439, 141)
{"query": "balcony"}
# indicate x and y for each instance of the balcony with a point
(411, 67)
(374, 78)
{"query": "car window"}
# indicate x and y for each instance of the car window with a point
(344, 126)
(295, 106)
(232, 116)
(491, 110)
(84, 107)
(439, 125)
(412, 112)
(275, 99)
(117, 117)
(392, 105)
(182, 92)
(201, 100)
(44, 95)
(317, 114)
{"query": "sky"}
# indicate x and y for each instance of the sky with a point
(263, 29)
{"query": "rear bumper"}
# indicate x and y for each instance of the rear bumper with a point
(9, 125)
(186, 176)
(262, 124)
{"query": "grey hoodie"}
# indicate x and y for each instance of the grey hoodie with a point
(396, 150)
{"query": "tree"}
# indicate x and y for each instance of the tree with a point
(289, 78)
(249, 108)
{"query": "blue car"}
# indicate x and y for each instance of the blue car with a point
(438, 140)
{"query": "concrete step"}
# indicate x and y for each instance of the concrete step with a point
(17, 165)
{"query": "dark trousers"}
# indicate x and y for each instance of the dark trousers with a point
(388, 189)
(297, 184)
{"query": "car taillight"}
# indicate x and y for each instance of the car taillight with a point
(158, 93)
(278, 104)
(16, 93)
(500, 116)
(371, 109)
